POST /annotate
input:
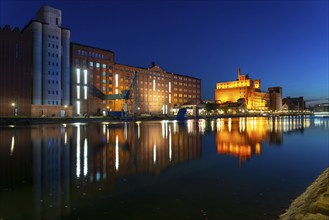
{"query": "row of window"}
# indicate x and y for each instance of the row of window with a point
(52, 63)
(54, 92)
(53, 45)
(91, 54)
(53, 73)
(52, 55)
(91, 64)
(52, 102)
(53, 82)
(53, 37)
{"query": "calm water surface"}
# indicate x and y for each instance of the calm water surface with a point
(239, 168)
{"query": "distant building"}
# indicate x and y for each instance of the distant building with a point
(296, 103)
(15, 71)
(244, 89)
(275, 95)
(321, 109)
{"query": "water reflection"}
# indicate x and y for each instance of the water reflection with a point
(68, 162)
(243, 137)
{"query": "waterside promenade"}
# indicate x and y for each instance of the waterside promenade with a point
(313, 203)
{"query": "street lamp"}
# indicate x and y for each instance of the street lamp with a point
(15, 106)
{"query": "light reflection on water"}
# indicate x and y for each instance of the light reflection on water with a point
(58, 166)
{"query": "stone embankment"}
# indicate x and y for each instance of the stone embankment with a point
(313, 203)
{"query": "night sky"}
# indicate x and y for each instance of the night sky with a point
(282, 43)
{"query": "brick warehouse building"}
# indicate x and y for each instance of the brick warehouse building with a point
(15, 71)
(59, 78)
(158, 91)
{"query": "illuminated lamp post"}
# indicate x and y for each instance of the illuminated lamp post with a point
(15, 106)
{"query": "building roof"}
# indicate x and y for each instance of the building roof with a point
(146, 68)
(97, 48)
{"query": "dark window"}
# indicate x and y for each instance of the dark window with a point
(56, 21)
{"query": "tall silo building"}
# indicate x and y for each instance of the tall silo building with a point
(51, 63)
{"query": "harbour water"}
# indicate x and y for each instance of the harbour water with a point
(232, 168)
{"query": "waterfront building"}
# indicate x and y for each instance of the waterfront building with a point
(98, 85)
(159, 91)
(275, 95)
(293, 103)
(15, 71)
(51, 77)
(35, 67)
(321, 109)
(51, 65)
(91, 74)
(244, 90)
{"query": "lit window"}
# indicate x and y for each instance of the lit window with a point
(91, 64)
(78, 92)
(78, 75)
(97, 65)
(85, 92)
(104, 66)
(78, 107)
(169, 86)
(169, 98)
(116, 80)
(85, 76)
(116, 91)
(153, 84)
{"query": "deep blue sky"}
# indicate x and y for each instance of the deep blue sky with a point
(283, 43)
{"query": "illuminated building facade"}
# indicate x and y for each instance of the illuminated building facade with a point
(158, 91)
(245, 89)
(275, 94)
(53, 77)
(90, 68)
(15, 71)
